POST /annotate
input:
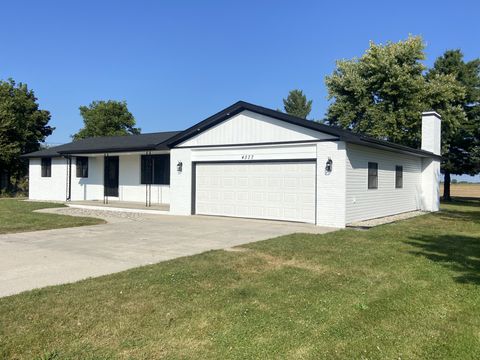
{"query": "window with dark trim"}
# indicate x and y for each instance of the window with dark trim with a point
(155, 169)
(398, 177)
(372, 175)
(46, 167)
(82, 166)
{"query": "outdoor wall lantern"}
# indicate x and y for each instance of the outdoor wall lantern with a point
(328, 166)
(179, 166)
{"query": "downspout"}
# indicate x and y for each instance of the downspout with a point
(106, 166)
(69, 178)
(148, 182)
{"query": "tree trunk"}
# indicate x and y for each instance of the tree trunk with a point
(446, 187)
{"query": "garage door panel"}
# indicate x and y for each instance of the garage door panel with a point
(280, 191)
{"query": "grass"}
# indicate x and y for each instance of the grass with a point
(18, 216)
(399, 291)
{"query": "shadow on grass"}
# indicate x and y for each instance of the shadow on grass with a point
(462, 209)
(458, 215)
(458, 253)
(463, 201)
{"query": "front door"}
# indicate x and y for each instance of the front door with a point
(111, 176)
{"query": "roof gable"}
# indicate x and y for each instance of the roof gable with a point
(248, 127)
(340, 134)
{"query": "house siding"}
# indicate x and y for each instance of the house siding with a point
(248, 127)
(363, 203)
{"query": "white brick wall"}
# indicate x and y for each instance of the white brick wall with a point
(47, 188)
(91, 188)
(430, 185)
(331, 186)
(181, 182)
(431, 141)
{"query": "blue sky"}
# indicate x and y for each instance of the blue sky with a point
(177, 62)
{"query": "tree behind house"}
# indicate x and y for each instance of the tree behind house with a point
(383, 93)
(462, 153)
(23, 127)
(106, 118)
(297, 104)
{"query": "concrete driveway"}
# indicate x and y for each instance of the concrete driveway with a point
(41, 258)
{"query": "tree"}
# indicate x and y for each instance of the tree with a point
(296, 104)
(106, 118)
(462, 152)
(23, 126)
(383, 93)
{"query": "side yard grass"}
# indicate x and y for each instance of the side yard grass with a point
(399, 291)
(18, 216)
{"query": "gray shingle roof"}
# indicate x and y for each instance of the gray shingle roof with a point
(167, 140)
(151, 141)
(341, 134)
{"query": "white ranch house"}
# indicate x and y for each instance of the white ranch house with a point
(248, 161)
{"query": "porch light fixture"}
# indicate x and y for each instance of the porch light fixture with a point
(179, 166)
(328, 166)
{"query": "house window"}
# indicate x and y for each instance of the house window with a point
(82, 167)
(372, 175)
(46, 167)
(399, 177)
(155, 169)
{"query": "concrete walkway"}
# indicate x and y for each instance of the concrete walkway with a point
(41, 258)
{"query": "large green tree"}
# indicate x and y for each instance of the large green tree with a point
(106, 118)
(23, 127)
(383, 92)
(297, 104)
(462, 152)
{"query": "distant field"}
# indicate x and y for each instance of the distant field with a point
(463, 190)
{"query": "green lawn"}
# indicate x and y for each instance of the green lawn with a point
(400, 291)
(18, 216)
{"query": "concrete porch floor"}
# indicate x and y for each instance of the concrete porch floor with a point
(120, 205)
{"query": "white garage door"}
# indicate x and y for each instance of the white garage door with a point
(264, 190)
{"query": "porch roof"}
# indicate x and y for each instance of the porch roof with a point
(105, 144)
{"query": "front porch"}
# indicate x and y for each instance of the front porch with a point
(116, 205)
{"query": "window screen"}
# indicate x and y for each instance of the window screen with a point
(155, 169)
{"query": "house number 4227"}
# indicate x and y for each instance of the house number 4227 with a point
(247, 157)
